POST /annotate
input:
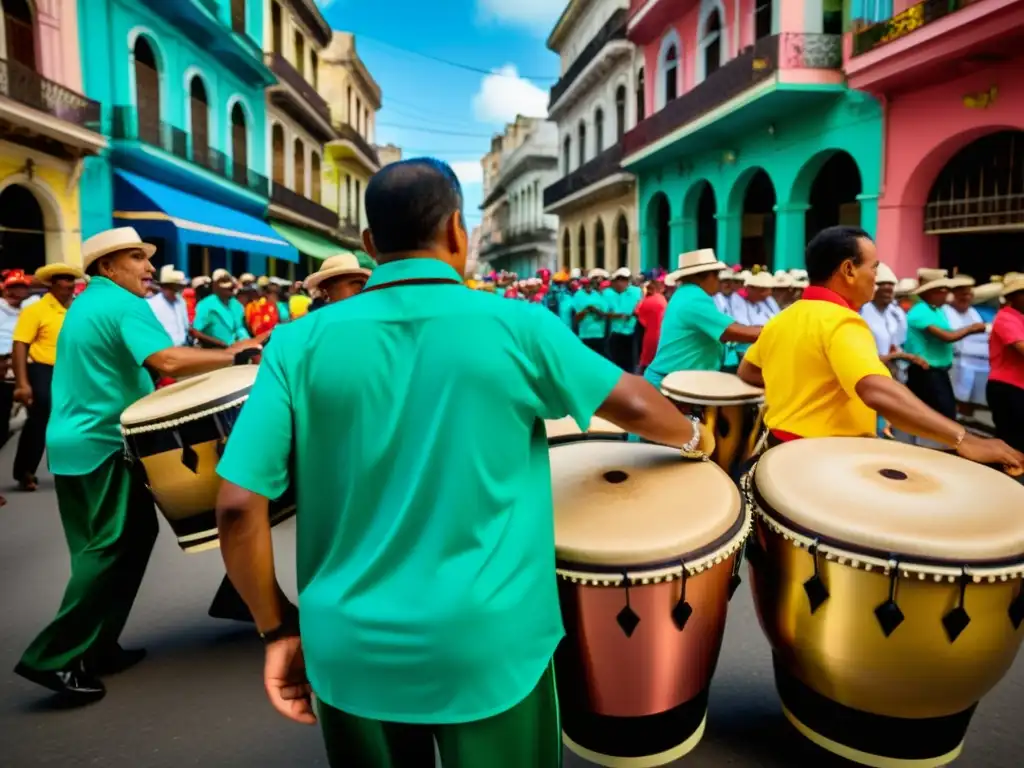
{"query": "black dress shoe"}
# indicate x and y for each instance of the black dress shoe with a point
(118, 660)
(74, 684)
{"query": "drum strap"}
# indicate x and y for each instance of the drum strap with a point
(410, 281)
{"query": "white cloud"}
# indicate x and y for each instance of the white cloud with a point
(504, 94)
(537, 15)
(469, 171)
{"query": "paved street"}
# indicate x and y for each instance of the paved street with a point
(198, 700)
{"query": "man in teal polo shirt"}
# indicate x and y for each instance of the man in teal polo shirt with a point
(622, 299)
(427, 599)
(591, 309)
(109, 339)
(220, 317)
(694, 328)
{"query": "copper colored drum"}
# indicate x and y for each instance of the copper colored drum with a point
(567, 430)
(178, 433)
(888, 579)
(730, 408)
(648, 551)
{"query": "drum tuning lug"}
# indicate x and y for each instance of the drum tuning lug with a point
(627, 618)
(957, 620)
(683, 610)
(888, 613)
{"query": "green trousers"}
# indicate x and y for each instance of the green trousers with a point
(110, 525)
(529, 735)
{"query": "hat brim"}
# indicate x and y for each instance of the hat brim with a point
(932, 285)
(697, 269)
(314, 280)
(45, 275)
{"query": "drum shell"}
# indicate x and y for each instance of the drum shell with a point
(841, 652)
(736, 427)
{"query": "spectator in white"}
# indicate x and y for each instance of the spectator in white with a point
(15, 288)
(757, 309)
(970, 354)
(888, 323)
(800, 281)
(782, 293)
(728, 283)
(168, 305)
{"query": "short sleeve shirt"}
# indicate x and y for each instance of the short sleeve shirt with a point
(425, 550)
(1007, 362)
(108, 334)
(39, 326)
(691, 335)
(624, 303)
(920, 342)
(224, 322)
(592, 326)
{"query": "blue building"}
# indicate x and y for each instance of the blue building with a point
(182, 84)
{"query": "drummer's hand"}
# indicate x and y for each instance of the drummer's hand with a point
(920, 362)
(990, 451)
(244, 344)
(284, 676)
(23, 395)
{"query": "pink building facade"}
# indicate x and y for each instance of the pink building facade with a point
(55, 39)
(952, 92)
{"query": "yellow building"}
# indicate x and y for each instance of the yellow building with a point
(47, 128)
(351, 159)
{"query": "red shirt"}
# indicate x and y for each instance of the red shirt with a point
(650, 314)
(261, 315)
(1006, 364)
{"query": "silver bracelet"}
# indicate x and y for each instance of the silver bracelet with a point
(691, 446)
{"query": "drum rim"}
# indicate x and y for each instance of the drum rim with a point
(869, 559)
(587, 437)
(712, 401)
(186, 415)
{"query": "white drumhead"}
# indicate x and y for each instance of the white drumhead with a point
(190, 394)
(567, 426)
(710, 388)
(894, 498)
(633, 504)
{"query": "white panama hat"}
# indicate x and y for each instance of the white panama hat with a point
(696, 262)
(622, 272)
(170, 276)
(112, 241)
(783, 279)
(760, 280)
(931, 285)
(335, 266)
(885, 275)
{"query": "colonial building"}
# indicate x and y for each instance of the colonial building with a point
(47, 128)
(183, 87)
(750, 139)
(595, 199)
(354, 98)
(518, 235)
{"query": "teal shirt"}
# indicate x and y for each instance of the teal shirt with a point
(934, 351)
(592, 326)
(565, 308)
(691, 334)
(224, 322)
(107, 335)
(282, 311)
(425, 549)
(624, 303)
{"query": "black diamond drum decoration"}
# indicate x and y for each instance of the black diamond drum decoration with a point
(681, 614)
(628, 620)
(190, 459)
(955, 622)
(889, 616)
(817, 592)
(1017, 609)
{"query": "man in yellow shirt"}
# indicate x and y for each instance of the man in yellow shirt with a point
(820, 368)
(34, 353)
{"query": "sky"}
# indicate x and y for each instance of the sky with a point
(433, 108)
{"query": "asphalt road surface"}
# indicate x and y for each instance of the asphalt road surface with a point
(198, 699)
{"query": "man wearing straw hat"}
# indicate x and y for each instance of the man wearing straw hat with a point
(340, 277)
(428, 610)
(109, 339)
(1006, 356)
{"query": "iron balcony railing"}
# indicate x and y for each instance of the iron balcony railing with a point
(591, 172)
(302, 205)
(128, 124)
(902, 24)
(26, 86)
(613, 29)
(348, 133)
(349, 228)
(287, 73)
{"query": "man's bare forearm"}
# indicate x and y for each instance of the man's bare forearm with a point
(19, 359)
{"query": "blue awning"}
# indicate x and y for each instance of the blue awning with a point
(161, 211)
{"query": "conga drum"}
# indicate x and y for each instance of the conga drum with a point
(177, 434)
(730, 408)
(566, 430)
(647, 555)
(888, 579)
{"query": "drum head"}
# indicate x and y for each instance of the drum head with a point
(567, 426)
(196, 393)
(709, 388)
(895, 499)
(636, 504)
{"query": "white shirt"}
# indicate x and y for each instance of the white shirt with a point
(722, 302)
(755, 313)
(888, 326)
(8, 319)
(172, 316)
(975, 345)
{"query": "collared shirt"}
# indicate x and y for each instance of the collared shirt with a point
(224, 322)
(920, 342)
(173, 316)
(691, 335)
(39, 326)
(650, 315)
(591, 326)
(8, 319)
(975, 345)
(426, 586)
(565, 310)
(888, 326)
(107, 336)
(624, 303)
(756, 313)
(812, 357)
(723, 303)
(1007, 363)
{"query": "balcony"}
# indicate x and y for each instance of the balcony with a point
(500, 242)
(601, 175)
(299, 99)
(775, 77)
(350, 145)
(33, 102)
(281, 196)
(592, 65)
(932, 42)
(351, 231)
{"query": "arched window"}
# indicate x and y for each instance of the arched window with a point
(566, 250)
(20, 28)
(566, 154)
(200, 107)
(239, 144)
(599, 244)
(583, 246)
(622, 240)
(314, 67)
(583, 142)
(641, 110)
(620, 112)
(147, 91)
(300, 53)
(711, 43)
(314, 181)
(299, 157)
(762, 19)
(670, 74)
(276, 27)
(277, 149)
(598, 131)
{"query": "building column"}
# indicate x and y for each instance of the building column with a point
(676, 236)
(869, 213)
(730, 237)
(648, 248)
(689, 234)
(790, 235)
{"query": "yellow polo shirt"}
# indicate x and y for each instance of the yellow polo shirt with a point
(812, 356)
(39, 326)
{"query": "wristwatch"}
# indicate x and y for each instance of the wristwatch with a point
(289, 627)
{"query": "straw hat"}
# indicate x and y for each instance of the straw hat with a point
(599, 273)
(744, 275)
(783, 279)
(928, 275)
(575, 273)
(801, 282)
(931, 285)
(987, 292)
(696, 262)
(200, 281)
(906, 286)
(248, 277)
(46, 274)
(170, 276)
(798, 274)
(622, 272)
(335, 266)
(112, 241)
(1014, 285)
(961, 281)
(885, 275)
(760, 280)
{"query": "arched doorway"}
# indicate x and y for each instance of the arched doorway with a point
(20, 34)
(22, 230)
(239, 144)
(147, 91)
(707, 224)
(599, 244)
(658, 215)
(200, 123)
(622, 240)
(583, 247)
(976, 207)
(758, 243)
(834, 192)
